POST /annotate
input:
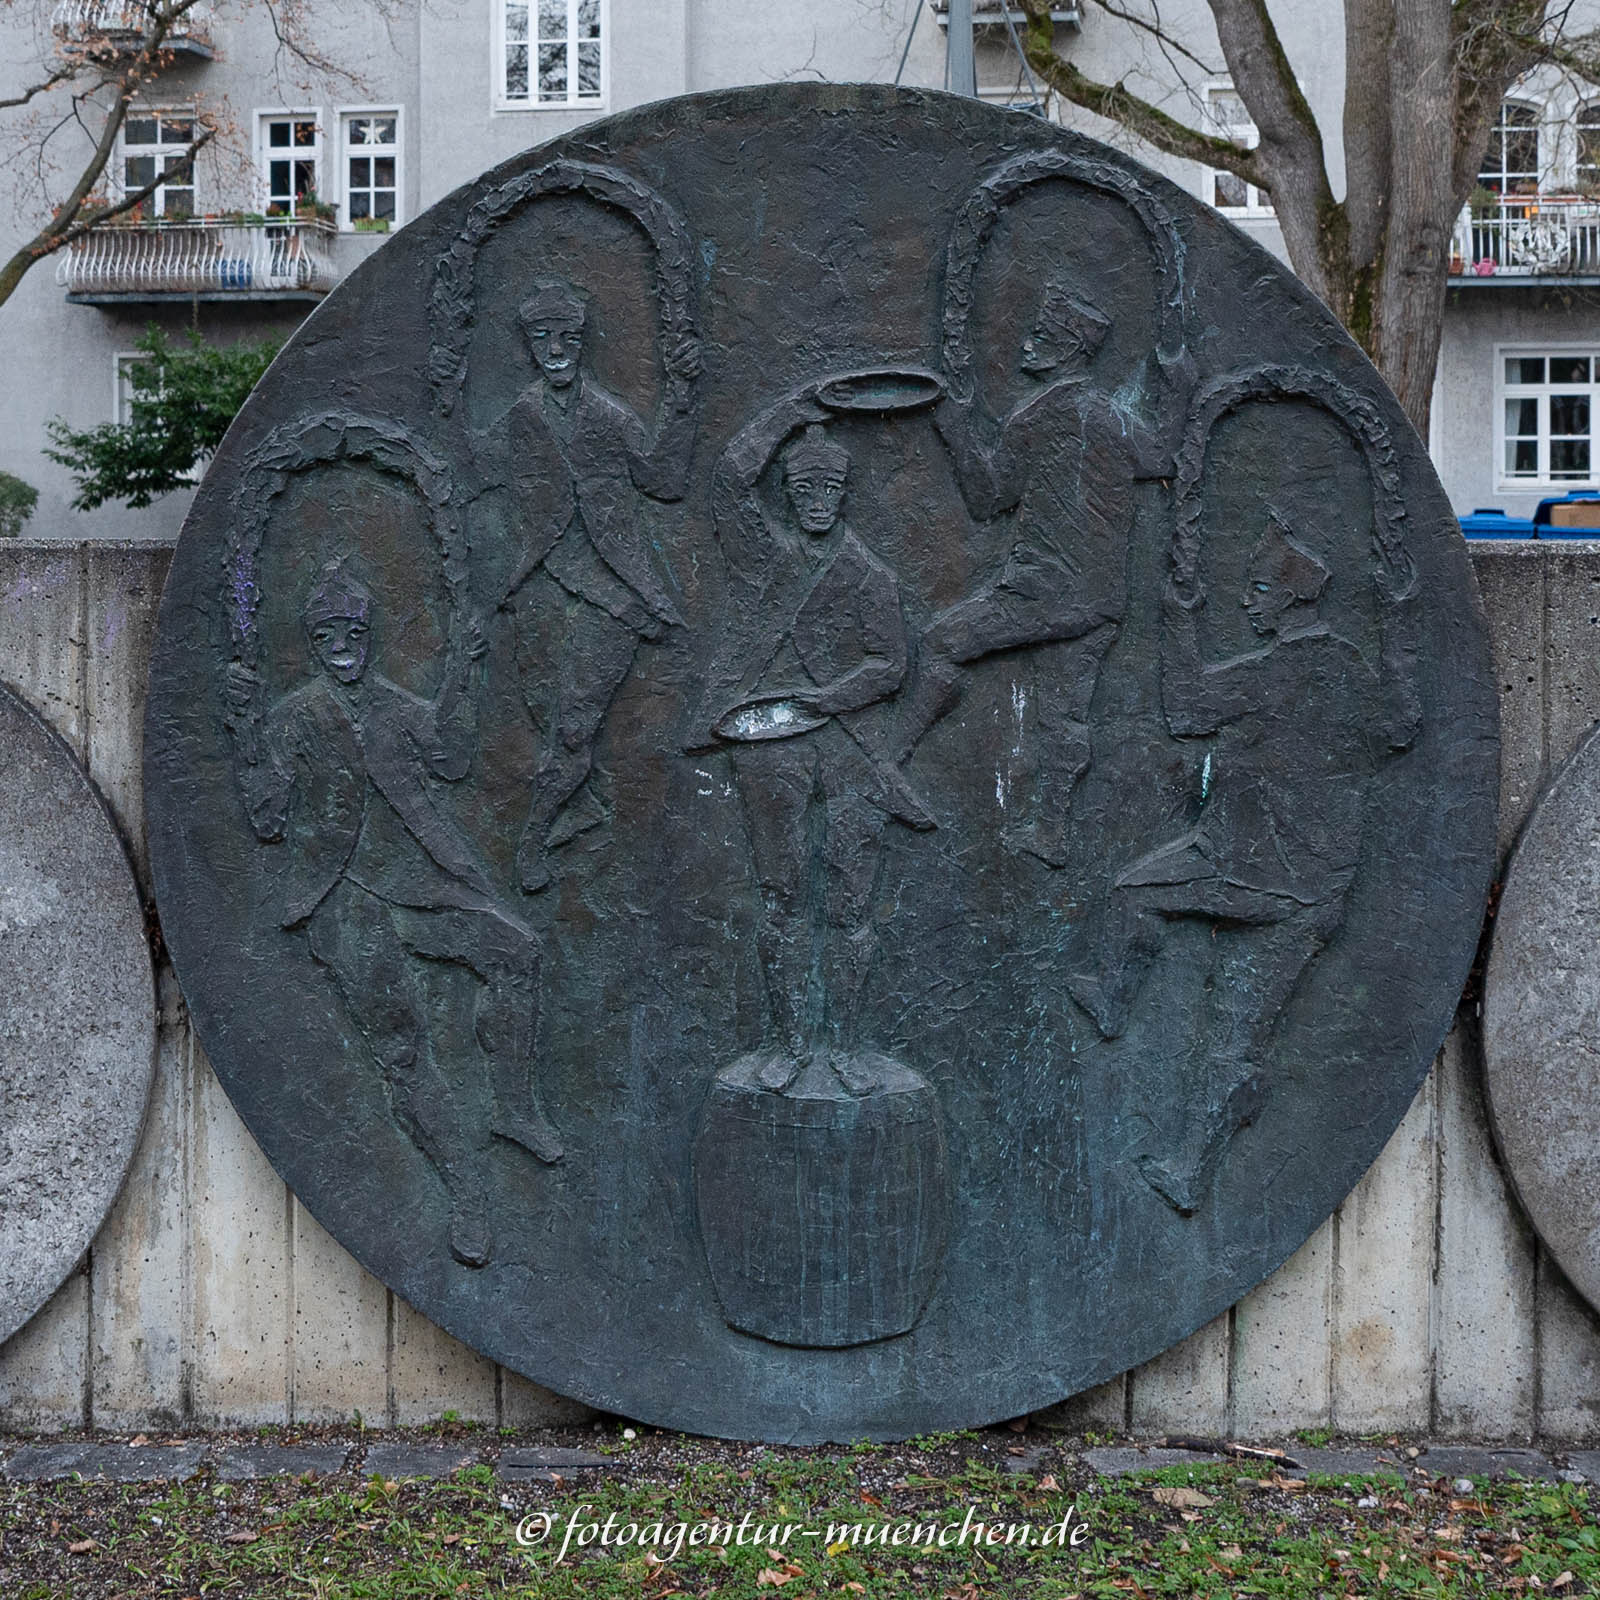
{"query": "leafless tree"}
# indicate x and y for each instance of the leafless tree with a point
(92, 69)
(1424, 80)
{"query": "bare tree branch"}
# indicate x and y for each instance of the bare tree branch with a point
(1119, 104)
(60, 75)
(1153, 26)
(1291, 141)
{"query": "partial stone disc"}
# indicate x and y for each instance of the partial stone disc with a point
(1541, 1019)
(821, 763)
(77, 1013)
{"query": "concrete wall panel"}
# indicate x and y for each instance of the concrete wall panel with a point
(211, 1297)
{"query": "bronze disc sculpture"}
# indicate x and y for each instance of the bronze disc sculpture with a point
(822, 763)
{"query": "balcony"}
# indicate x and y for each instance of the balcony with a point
(995, 14)
(1528, 237)
(120, 26)
(201, 259)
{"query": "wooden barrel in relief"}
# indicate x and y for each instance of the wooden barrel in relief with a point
(823, 1210)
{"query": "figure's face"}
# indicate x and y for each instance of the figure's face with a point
(817, 495)
(557, 345)
(340, 646)
(1265, 602)
(1050, 347)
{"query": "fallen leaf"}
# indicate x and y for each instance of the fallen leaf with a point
(452, 1538)
(137, 1440)
(1048, 1484)
(1180, 1495)
(1231, 1552)
(856, 1588)
(1288, 1485)
(1448, 1534)
(771, 1578)
(1190, 1516)
(81, 1547)
(1560, 1583)
(1018, 1424)
(243, 1536)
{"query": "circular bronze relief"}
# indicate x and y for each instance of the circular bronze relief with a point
(821, 764)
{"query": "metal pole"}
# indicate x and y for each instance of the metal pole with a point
(963, 67)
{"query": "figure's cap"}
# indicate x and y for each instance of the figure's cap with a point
(815, 449)
(337, 594)
(1286, 561)
(1063, 309)
(553, 297)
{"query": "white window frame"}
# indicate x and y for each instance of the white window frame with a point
(263, 150)
(121, 391)
(158, 198)
(342, 115)
(501, 101)
(1543, 151)
(1256, 205)
(1503, 391)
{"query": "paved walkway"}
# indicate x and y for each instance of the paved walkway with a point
(140, 1461)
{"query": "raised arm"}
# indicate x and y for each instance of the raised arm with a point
(451, 734)
(1198, 697)
(261, 765)
(743, 532)
(1399, 643)
(659, 464)
(991, 471)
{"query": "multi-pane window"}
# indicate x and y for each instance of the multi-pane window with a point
(371, 166)
(153, 143)
(1511, 162)
(550, 52)
(1547, 409)
(1230, 118)
(1589, 148)
(291, 161)
(126, 362)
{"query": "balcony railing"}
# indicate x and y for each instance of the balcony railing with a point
(994, 13)
(123, 24)
(1532, 236)
(276, 259)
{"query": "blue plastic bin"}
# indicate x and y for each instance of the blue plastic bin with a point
(1569, 516)
(1489, 522)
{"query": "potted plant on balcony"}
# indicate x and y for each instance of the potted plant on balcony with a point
(370, 224)
(311, 205)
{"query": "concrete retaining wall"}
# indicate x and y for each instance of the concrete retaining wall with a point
(211, 1298)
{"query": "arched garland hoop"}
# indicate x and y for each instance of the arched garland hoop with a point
(1361, 419)
(451, 305)
(325, 440)
(982, 210)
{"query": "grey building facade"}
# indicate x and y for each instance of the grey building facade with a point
(419, 96)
